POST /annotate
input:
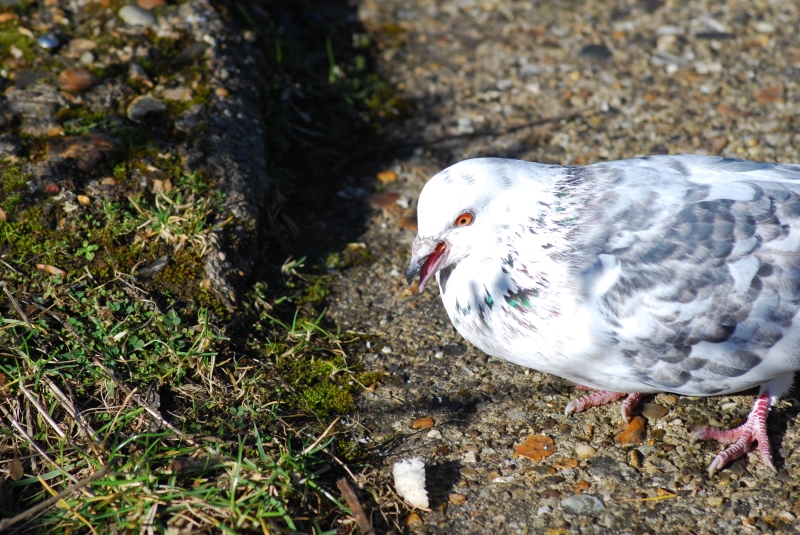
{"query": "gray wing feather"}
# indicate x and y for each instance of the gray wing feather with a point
(709, 248)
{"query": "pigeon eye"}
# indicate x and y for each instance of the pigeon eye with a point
(464, 219)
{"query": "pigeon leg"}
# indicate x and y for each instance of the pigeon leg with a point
(742, 437)
(601, 397)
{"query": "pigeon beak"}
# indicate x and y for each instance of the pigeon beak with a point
(427, 256)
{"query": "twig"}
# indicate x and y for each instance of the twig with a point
(16, 305)
(52, 501)
(42, 412)
(448, 137)
(355, 506)
(314, 444)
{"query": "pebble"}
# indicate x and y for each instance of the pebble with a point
(145, 106)
(413, 519)
(75, 80)
(582, 504)
(434, 433)
(9, 145)
(457, 499)
(607, 468)
(136, 73)
(379, 201)
(770, 95)
(87, 150)
(408, 223)
(600, 52)
(636, 459)
(182, 94)
(634, 433)
(654, 411)
(715, 501)
(585, 451)
(151, 270)
(469, 457)
(84, 200)
(150, 4)
(581, 486)
(78, 46)
(136, 16)
(565, 464)
(221, 92)
(49, 41)
(387, 177)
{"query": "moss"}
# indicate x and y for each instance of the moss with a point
(355, 254)
(314, 293)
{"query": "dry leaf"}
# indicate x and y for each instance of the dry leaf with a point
(565, 464)
(536, 447)
(424, 423)
(16, 471)
(51, 270)
(3, 214)
(770, 95)
(635, 433)
(387, 176)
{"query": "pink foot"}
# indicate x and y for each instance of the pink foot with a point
(742, 437)
(601, 397)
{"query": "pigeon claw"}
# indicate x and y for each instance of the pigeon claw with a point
(741, 438)
(595, 399)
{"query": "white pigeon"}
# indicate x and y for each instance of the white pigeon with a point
(658, 274)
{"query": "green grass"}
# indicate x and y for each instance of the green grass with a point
(197, 418)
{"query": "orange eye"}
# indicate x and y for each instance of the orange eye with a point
(464, 219)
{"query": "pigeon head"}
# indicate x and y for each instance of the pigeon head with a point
(456, 213)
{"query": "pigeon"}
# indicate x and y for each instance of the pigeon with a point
(675, 274)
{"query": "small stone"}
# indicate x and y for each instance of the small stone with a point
(87, 149)
(469, 457)
(493, 475)
(408, 223)
(181, 94)
(718, 144)
(387, 176)
(109, 181)
(457, 499)
(471, 472)
(434, 433)
(654, 411)
(413, 520)
(145, 106)
(636, 459)
(582, 504)
(581, 486)
(565, 464)
(379, 201)
(770, 95)
(544, 470)
(77, 47)
(150, 4)
(191, 54)
(136, 73)
(151, 270)
(10, 145)
(84, 200)
(663, 492)
(75, 80)
(763, 26)
(472, 433)
(51, 188)
(49, 41)
(221, 92)
(634, 433)
(715, 501)
(585, 451)
(600, 52)
(136, 16)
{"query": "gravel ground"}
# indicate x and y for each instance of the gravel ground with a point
(649, 78)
